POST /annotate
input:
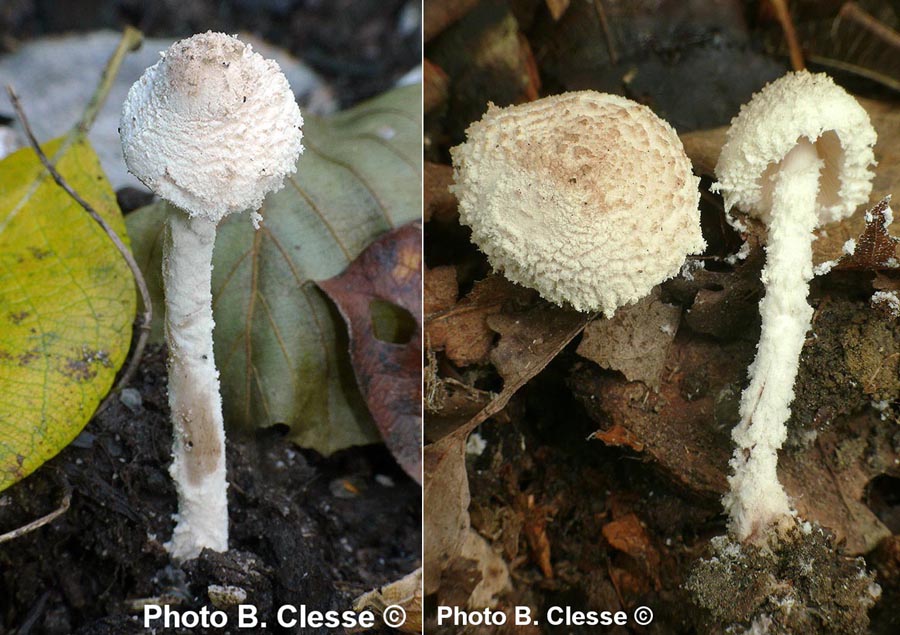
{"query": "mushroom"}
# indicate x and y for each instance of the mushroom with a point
(586, 197)
(212, 127)
(797, 156)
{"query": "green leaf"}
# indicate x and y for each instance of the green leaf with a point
(280, 345)
(67, 302)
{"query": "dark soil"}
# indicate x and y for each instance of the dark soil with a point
(537, 464)
(304, 529)
(797, 583)
(539, 476)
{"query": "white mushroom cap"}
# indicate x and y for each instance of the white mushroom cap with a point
(798, 105)
(212, 127)
(586, 197)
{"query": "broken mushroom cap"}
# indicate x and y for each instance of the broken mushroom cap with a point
(586, 197)
(798, 105)
(212, 126)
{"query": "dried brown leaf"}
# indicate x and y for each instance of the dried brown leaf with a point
(875, 248)
(389, 373)
(827, 481)
(532, 88)
(534, 523)
(686, 428)
(628, 535)
(683, 428)
(883, 282)
(634, 341)
(493, 576)
(405, 592)
(462, 331)
(446, 495)
(441, 289)
(502, 525)
(619, 436)
(459, 579)
(460, 403)
(703, 147)
(529, 340)
(440, 203)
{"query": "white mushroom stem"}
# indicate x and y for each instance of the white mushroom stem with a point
(212, 127)
(198, 466)
(756, 499)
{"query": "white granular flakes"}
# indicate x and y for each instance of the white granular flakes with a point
(586, 197)
(769, 126)
(212, 126)
(887, 300)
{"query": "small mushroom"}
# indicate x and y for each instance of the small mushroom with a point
(797, 156)
(212, 128)
(586, 197)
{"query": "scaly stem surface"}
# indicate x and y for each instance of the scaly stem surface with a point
(198, 465)
(756, 499)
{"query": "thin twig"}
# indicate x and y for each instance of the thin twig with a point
(131, 41)
(783, 14)
(853, 12)
(147, 317)
(510, 388)
(43, 520)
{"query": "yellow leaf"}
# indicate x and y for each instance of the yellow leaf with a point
(67, 302)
